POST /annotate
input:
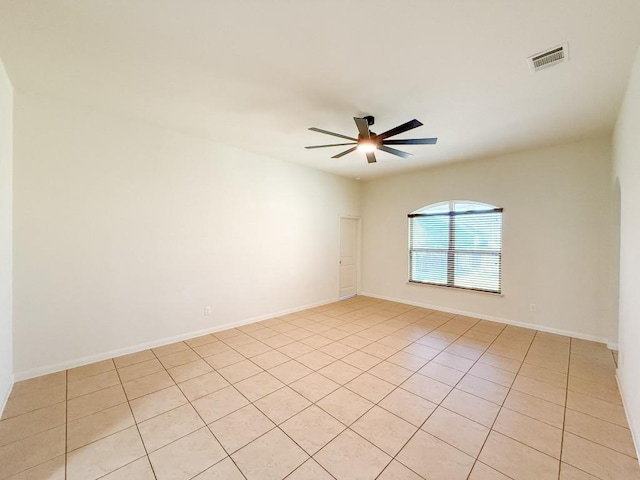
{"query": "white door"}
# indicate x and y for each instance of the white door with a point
(348, 256)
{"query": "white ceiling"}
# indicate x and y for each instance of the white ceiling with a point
(256, 74)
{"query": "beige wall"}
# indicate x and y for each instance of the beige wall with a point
(556, 236)
(627, 174)
(124, 232)
(6, 226)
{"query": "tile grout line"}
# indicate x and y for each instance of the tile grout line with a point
(500, 409)
(347, 427)
(206, 425)
(382, 322)
(564, 413)
(276, 426)
(189, 402)
(35, 409)
(135, 421)
(309, 406)
(316, 371)
(586, 414)
(66, 407)
(562, 429)
(301, 465)
(440, 404)
(396, 387)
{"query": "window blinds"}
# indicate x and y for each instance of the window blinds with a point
(460, 249)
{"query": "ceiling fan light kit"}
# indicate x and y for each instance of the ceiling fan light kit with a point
(367, 146)
(368, 141)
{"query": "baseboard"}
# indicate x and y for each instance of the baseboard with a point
(36, 372)
(5, 395)
(635, 436)
(507, 321)
(612, 346)
(19, 376)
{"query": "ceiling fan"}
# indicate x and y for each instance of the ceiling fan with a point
(369, 141)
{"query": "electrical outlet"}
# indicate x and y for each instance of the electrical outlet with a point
(532, 307)
(207, 311)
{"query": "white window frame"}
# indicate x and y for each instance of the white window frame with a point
(478, 208)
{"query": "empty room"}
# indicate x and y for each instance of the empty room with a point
(306, 240)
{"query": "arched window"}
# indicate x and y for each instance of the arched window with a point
(457, 244)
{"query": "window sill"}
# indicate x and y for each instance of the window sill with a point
(455, 289)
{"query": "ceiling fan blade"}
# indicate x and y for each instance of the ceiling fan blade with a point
(393, 151)
(371, 158)
(344, 153)
(400, 129)
(332, 133)
(332, 145)
(411, 141)
(363, 127)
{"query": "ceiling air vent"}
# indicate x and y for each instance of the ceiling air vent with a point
(549, 57)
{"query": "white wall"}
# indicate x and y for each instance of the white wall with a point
(627, 172)
(556, 235)
(124, 232)
(6, 226)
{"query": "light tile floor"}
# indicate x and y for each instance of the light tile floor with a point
(360, 389)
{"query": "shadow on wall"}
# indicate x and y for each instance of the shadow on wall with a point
(615, 260)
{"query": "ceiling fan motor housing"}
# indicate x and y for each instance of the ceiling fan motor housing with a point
(373, 138)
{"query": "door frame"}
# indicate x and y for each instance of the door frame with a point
(358, 256)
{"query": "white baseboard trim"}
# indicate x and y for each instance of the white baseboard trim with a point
(5, 395)
(36, 372)
(534, 326)
(612, 346)
(635, 436)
